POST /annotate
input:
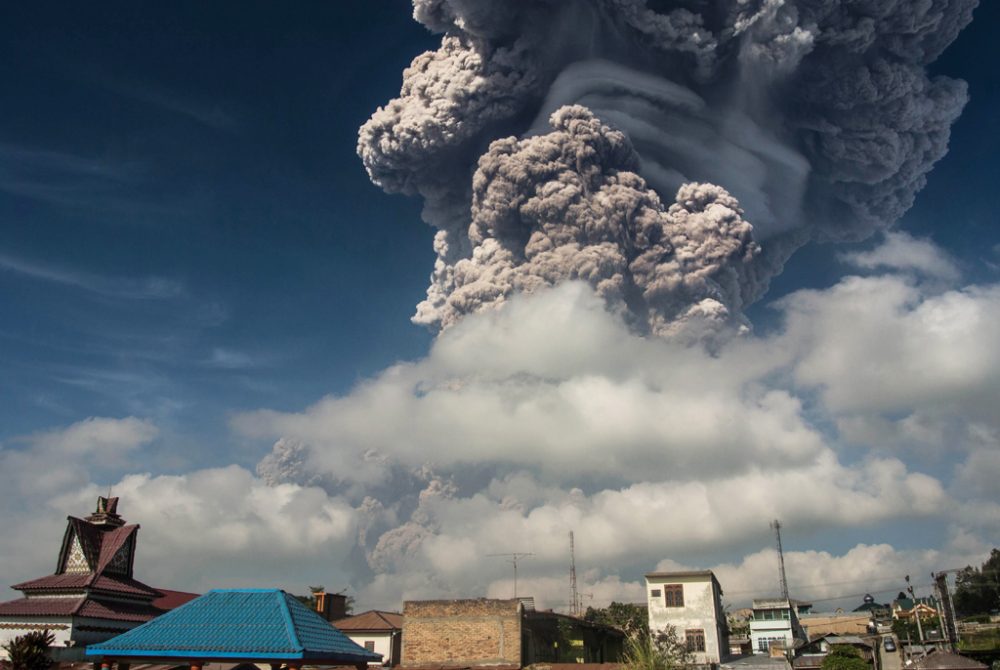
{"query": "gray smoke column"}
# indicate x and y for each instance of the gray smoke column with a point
(628, 143)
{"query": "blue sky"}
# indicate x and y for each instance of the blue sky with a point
(187, 236)
(187, 230)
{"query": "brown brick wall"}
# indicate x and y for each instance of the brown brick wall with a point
(466, 632)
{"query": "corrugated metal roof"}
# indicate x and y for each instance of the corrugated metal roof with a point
(237, 623)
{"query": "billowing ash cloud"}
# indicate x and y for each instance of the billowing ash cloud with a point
(623, 142)
(568, 205)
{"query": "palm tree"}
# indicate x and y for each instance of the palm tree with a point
(30, 651)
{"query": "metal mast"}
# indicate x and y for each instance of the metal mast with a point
(514, 557)
(776, 525)
(574, 595)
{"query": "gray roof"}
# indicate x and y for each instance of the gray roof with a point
(682, 573)
(945, 660)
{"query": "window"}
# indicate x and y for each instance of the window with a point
(655, 593)
(764, 643)
(370, 645)
(673, 595)
(695, 638)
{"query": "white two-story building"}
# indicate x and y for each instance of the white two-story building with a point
(774, 626)
(690, 602)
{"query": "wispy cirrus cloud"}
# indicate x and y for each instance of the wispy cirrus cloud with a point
(144, 288)
(210, 114)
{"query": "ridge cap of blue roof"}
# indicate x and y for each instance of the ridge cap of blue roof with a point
(283, 606)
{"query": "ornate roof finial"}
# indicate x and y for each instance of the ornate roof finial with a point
(106, 513)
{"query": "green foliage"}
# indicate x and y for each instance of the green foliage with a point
(977, 590)
(665, 651)
(30, 651)
(983, 640)
(976, 618)
(630, 618)
(843, 657)
(906, 630)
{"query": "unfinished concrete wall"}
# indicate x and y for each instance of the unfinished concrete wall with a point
(462, 632)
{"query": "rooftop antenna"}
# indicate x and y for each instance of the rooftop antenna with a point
(574, 594)
(514, 557)
(776, 525)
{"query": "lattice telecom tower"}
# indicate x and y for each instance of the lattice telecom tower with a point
(776, 525)
(574, 594)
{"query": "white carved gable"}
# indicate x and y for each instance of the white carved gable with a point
(76, 561)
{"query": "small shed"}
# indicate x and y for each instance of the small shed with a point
(238, 626)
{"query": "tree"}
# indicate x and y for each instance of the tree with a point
(664, 651)
(843, 657)
(977, 590)
(30, 651)
(630, 618)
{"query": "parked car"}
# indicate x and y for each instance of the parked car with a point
(889, 643)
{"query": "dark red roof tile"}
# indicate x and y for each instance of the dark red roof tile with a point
(71, 582)
(116, 611)
(171, 599)
(39, 607)
(85, 607)
(54, 582)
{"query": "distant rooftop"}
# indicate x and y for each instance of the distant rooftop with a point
(370, 622)
(682, 573)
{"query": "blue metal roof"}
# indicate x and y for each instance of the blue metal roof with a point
(238, 623)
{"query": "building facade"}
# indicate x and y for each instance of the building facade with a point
(377, 631)
(691, 603)
(485, 632)
(774, 626)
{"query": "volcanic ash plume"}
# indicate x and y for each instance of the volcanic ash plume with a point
(569, 205)
(545, 136)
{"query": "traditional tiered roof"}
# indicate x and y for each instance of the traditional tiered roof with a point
(93, 577)
(243, 625)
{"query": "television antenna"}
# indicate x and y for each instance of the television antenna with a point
(513, 557)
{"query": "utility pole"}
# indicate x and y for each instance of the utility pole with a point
(776, 525)
(574, 595)
(916, 615)
(513, 557)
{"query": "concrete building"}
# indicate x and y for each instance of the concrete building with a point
(377, 631)
(774, 626)
(690, 602)
(501, 634)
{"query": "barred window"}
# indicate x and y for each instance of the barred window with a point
(695, 638)
(673, 595)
